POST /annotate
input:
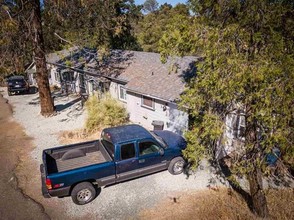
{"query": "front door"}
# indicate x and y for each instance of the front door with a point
(150, 158)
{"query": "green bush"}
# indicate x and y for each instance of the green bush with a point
(104, 112)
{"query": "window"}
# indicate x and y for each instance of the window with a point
(127, 151)
(109, 147)
(159, 139)
(148, 102)
(239, 125)
(148, 148)
(57, 76)
(68, 76)
(122, 93)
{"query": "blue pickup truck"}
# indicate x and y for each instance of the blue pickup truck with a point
(122, 153)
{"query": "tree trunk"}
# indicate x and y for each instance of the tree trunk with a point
(46, 101)
(259, 202)
(258, 199)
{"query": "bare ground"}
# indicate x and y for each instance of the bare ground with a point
(14, 144)
(16, 162)
(220, 204)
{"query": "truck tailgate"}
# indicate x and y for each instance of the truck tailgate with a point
(43, 180)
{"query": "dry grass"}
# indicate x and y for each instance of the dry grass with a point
(222, 204)
(76, 136)
(281, 204)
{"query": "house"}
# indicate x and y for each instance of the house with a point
(52, 58)
(149, 89)
(66, 70)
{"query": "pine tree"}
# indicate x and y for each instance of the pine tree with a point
(248, 65)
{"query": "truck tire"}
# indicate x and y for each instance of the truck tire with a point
(176, 166)
(73, 154)
(83, 193)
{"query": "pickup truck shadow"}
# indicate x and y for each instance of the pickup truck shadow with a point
(139, 177)
(98, 190)
(186, 172)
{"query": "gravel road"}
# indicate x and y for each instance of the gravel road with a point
(120, 201)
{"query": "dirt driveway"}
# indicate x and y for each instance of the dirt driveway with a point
(13, 144)
(121, 201)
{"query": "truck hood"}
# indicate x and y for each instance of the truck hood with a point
(171, 139)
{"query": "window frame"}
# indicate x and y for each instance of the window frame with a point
(121, 89)
(147, 106)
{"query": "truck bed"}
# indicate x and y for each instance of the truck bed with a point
(89, 159)
(85, 154)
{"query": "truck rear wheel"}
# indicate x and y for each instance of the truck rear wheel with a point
(176, 166)
(83, 193)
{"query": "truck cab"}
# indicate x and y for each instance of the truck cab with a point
(138, 152)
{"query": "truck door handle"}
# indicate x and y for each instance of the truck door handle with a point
(142, 161)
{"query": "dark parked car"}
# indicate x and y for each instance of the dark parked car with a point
(17, 84)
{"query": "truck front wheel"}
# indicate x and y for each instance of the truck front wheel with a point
(83, 193)
(176, 166)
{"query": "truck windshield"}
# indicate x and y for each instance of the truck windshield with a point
(159, 139)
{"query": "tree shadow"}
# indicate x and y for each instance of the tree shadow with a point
(113, 64)
(222, 173)
(61, 107)
(190, 72)
(225, 170)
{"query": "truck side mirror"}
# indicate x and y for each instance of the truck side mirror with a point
(161, 151)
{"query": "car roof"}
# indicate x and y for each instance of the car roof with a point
(16, 78)
(125, 133)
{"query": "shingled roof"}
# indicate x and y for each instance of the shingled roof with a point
(60, 55)
(143, 72)
(146, 74)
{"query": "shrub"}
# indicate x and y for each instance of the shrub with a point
(104, 112)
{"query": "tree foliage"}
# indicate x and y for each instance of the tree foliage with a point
(15, 45)
(22, 39)
(248, 64)
(104, 112)
(93, 23)
(152, 26)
